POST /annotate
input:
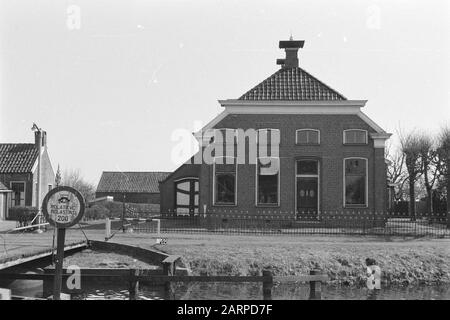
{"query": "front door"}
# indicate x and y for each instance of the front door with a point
(307, 199)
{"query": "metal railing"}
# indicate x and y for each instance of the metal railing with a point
(325, 222)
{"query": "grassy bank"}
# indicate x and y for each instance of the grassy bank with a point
(403, 261)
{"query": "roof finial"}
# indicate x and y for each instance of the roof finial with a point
(291, 38)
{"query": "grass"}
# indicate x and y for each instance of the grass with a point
(403, 261)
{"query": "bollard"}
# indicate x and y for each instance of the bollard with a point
(267, 285)
(5, 294)
(168, 270)
(315, 287)
(133, 284)
(107, 229)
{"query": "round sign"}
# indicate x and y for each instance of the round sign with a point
(63, 207)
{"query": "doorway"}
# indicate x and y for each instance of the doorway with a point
(307, 188)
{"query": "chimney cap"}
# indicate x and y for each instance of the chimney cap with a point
(291, 44)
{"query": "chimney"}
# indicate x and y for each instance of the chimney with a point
(291, 48)
(40, 138)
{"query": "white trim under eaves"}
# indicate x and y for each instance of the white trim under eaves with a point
(370, 122)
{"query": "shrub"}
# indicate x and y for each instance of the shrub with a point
(22, 214)
(96, 212)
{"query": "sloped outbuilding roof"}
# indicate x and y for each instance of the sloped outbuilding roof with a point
(17, 157)
(133, 182)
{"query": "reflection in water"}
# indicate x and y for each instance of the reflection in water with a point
(233, 291)
(252, 291)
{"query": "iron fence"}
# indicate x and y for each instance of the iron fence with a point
(326, 223)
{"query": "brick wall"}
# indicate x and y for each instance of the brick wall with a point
(330, 154)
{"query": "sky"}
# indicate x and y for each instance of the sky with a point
(114, 82)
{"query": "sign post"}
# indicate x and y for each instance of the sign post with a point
(63, 207)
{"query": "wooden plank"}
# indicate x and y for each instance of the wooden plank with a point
(171, 259)
(301, 278)
(19, 260)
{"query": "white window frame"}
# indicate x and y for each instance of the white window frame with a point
(24, 193)
(307, 129)
(366, 196)
(190, 178)
(349, 143)
(235, 182)
(256, 185)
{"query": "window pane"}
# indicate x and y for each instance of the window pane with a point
(306, 167)
(268, 166)
(313, 137)
(268, 189)
(308, 137)
(355, 136)
(185, 186)
(225, 188)
(355, 166)
(355, 187)
(302, 137)
(183, 199)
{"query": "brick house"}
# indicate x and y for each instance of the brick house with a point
(136, 187)
(329, 156)
(19, 173)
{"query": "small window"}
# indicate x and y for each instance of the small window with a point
(225, 169)
(18, 194)
(355, 136)
(268, 180)
(307, 136)
(355, 181)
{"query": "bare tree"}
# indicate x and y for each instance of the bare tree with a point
(396, 170)
(430, 166)
(73, 178)
(444, 158)
(411, 146)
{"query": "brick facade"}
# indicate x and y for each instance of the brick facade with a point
(330, 154)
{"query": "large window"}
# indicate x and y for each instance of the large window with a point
(18, 194)
(225, 170)
(268, 181)
(355, 182)
(307, 136)
(187, 192)
(355, 136)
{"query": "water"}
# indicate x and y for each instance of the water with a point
(233, 291)
(245, 291)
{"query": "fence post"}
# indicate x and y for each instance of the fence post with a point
(107, 229)
(5, 294)
(315, 287)
(158, 227)
(168, 270)
(133, 284)
(267, 285)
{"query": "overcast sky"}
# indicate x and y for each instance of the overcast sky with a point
(112, 87)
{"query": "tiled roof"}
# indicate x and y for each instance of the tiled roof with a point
(292, 84)
(141, 182)
(17, 157)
